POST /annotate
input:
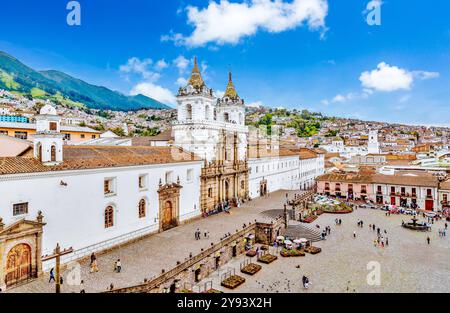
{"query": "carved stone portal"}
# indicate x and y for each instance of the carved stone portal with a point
(20, 251)
(169, 206)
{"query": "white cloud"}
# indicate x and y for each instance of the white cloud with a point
(181, 81)
(342, 98)
(228, 22)
(387, 78)
(161, 64)
(141, 67)
(423, 75)
(391, 78)
(154, 91)
(181, 63)
(219, 93)
(256, 104)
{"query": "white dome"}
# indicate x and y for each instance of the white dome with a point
(48, 110)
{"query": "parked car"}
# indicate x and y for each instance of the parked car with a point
(410, 212)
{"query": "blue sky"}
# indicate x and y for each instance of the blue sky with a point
(315, 54)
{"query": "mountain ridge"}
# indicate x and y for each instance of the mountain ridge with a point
(59, 86)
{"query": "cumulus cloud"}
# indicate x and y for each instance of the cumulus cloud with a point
(154, 91)
(342, 98)
(388, 78)
(161, 64)
(228, 22)
(149, 73)
(181, 81)
(181, 63)
(135, 65)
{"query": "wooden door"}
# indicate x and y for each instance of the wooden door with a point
(429, 205)
(18, 264)
(167, 216)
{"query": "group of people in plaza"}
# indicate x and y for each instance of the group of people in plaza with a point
(326, 231)
(198, 234)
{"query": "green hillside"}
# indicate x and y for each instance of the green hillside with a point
(55, 85)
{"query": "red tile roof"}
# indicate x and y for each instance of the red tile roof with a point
(91, 157)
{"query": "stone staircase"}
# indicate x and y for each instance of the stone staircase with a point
(303, 231)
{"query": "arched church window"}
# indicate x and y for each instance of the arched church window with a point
(189, 112)
(142, 208)
(109, 217)
(226, 117)
(210, 191)
(53, 153)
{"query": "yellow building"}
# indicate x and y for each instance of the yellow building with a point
(72, 134)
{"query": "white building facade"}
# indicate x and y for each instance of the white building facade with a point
(90, 198)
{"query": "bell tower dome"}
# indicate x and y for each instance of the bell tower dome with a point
(231, 107)
(48, 140)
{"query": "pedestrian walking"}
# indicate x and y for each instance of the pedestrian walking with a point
(52, 276)
(387, 241)
(94, 266)
(428, 240)
(118, 266)
(354, 234)
(82, 287)
(93, 257)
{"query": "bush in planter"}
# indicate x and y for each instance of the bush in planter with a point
(251, 269)
(267, 258)
(309, 219)
(313, 250)
(291, 253)
(233, 281)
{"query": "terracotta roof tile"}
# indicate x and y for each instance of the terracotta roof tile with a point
(91, 157)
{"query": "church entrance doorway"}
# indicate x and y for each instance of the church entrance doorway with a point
(18, 264)
(168, 220)
(263, 188)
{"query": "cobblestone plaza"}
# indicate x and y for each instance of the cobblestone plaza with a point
(408, 264)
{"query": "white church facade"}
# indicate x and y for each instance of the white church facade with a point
(92, 198)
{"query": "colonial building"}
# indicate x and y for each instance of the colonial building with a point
(90, 198)
(72, 134)
(215, 130)
(401, 188)
(95, 197)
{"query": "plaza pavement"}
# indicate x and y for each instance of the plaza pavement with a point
(409, 264)
(146, 258)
